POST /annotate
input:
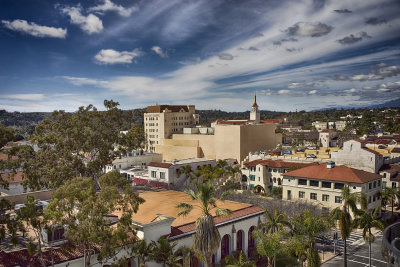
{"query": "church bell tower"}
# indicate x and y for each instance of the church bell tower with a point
(255, 113)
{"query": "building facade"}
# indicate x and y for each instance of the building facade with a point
(133, 159)
(355, 154)
(322, 184)
(161, 121)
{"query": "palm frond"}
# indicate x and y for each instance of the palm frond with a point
(222, 212)
(185, 209)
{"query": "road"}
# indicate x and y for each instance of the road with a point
(357, 253)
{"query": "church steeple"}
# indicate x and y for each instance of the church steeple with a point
(255, 101)
(255, 113)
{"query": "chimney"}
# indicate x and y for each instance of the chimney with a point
(330, 165)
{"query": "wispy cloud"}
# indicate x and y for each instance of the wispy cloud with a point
(33, 29)
(110, 56)
(24, 96)
(89, 24)
(343, 11)
(351, 39)
(79, 81)
(107, 5)
(309, 29)
(158, 50)
(300, 85)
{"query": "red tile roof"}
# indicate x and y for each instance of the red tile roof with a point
(185, 228)
(390, 168)
(395, 150)
(338, 173)
(13, 180)
(160, 164)
(275, 163)
(161, 108)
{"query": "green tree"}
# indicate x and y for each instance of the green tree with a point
(10, 227)
(389, 195)
(143, 251)
(87, 214)
(6, 135)
(276, 222)
(307, 226)
(365, 220)
(239, 261)
(72, 145)
(163, 252)
(134, 138)
(206, 240)
(342, 213)
(269, 245)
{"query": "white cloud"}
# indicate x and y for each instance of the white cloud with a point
(225, 56)
(283, 92)
(24, 96)
(110, 56)
(107, 5)
(34, 29)
(299, 85)
(312, 92)
(90, 23)
(158, 50)
(79, 81)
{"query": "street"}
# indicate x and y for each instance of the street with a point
(357, 253)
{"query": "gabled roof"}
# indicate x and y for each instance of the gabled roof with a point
(390, 168)
(338, 173)
(161, 108)
(160, 164)
(371, 150)
(395, 150)
(275, 163)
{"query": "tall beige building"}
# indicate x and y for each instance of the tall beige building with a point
(162, 121)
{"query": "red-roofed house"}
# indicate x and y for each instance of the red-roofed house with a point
(263, 175)
(322, 183)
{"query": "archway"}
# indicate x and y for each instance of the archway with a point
(252, 242)
(259, 189)
(244, 178)
(239, 240)
(225, 246)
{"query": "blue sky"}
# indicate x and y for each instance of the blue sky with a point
(215, 54)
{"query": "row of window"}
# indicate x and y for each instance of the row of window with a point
(151, 124)
(151, 118)
(154, 175)
(374, 184)
(152, 130)
(153, 136)
(325, 198)
(324, 184)
(180, 123)
(180, 118)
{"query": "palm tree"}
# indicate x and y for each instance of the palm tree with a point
(366, 221)
(276, 222)
(143, 251)
(350, 201)
(268, 245)
(162, 251)
(241, 261)
(308, 226)
(389, 194)
(207, 239)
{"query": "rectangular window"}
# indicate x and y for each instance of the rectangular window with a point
(369, 199)
(338, 200)
(325, 197)
(379, 183)
(394, 185)
(314, 183)
(384, 184)
(162, 175)
(370, 185)
(313, 196)
(339, 185)
(302, 182)
(302, 194)
(153, 174)
(326, 184)
(374, 184)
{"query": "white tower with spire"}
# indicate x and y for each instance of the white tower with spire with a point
(255, 113)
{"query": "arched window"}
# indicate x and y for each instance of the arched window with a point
(252, 243)
(224, 246)
(279, 181)
(239, 240)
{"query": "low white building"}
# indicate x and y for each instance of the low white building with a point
(133, 159)
(322, 184)
(355, 154)
(391, 175)
(169, 172)
(328, 138)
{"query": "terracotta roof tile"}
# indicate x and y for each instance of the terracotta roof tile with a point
(12, 180)
(390, 168)
(338, 173)
(371, 150)
(181, 229)
(275, 163)
(395, 150)
(160, 164)
(161, 108)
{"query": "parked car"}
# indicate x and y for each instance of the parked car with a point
(311, 156)
(382, 146)
(287, 152)
(312, 147)
(386, 158)
(300, 149)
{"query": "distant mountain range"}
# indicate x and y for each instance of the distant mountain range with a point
(389, 104)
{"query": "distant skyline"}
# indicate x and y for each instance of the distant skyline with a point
(303, 54)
